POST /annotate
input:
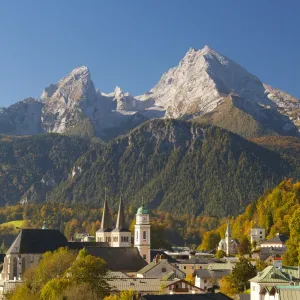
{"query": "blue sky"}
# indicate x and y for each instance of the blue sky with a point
(131, 43)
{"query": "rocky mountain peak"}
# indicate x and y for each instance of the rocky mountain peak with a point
(199, 84)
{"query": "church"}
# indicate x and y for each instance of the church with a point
(120, 236)
(228, 245)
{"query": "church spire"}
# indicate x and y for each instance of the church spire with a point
(121, 219)
(106, 217)
(228, 230)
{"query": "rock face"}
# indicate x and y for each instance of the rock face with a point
(22, 118)
(205, 78)
(201, 82)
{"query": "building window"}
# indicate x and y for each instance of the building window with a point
(205, 280)
(144, 256)
(261, 237)
(137, 235)
(23, 265)
(184, 267)
(164, 270)
(261, 232)
(15, 267)
(144, 235)
(253, 288)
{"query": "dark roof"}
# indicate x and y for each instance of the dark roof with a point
(154, 252)
(200, 260)
(206, 273)
(81, 245)
(279, 238)
(123, 259)
(265, 252)
(216, 296)
(121, 226)
(37, 241)
(106, 224)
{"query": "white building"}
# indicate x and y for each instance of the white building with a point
(277, 241)
(265, 285)
(228, 245)
(207, 279)
(142, 233)
(257, 234)
(121, 235)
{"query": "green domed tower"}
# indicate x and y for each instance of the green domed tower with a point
(142, 232)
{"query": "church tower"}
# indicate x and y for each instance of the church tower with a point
(228, 238)
(142, 233)
(121, 235)
(104, 233)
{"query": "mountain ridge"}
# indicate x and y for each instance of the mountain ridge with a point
(198, 85)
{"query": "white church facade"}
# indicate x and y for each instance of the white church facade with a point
(228, 244)
(120, 236)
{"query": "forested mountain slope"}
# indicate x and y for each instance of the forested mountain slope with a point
(277, 210)
(35, 164)
(176, 166)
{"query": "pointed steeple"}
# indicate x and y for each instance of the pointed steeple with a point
(106, 217)
(228, 230)
(121, 226)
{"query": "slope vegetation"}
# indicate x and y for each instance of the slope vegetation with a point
(36, 163)
(176, 166)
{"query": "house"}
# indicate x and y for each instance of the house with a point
(155, 252)
(184, 253)
(277, 241)
(228, 244)
(266, 252)
(145, 286)
(208, 278)
(257, 234)
(160, 268)
(216, 296)
(281, 292)
(194, 263)
(270, 277)
(272, 260)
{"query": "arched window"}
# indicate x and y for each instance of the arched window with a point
(23, 265)
(144, 235)
(15, 267)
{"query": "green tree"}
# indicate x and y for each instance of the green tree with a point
(52, 265)
(229, 285)
(269, 221)
(292, 255)
(91, 271)
(244, 246)
(220, 254)
(242, 272)
(260, 265)
(158, 237)
(210, 240)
